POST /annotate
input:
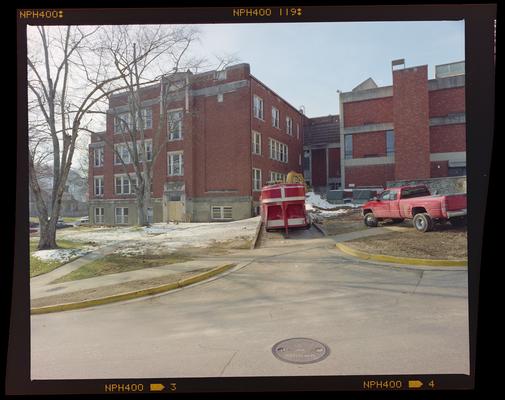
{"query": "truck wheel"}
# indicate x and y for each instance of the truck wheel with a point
(458, 221)
(423, 222)
(370, 220)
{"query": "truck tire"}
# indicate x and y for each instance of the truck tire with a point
(370, 220)
(423, 222)
(458, 221)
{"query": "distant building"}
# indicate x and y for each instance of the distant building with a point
(233, 135)
(321, 152)
(414, 129)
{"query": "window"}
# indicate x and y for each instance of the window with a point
(175, 164)
(289, 126)
(256, 179)
(121, 152)
(347, 146)
(278, 151)
(149, 149)
(122, 123)
(277, 176)
(99, 214)
(98, 185)
(98, 157)
(121, 215)
(124, 185)
(147, 117)
(221, 212)
(390, 143)
(256, 143)
(175, 125)
(220, 97)
(418, 191)
(275, 117)
(258, 107)
(385, 195)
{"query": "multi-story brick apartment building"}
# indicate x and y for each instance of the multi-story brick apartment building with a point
(321, 149)
(413, 129)
(232, 135)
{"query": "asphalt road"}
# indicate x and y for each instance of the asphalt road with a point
(375, 319)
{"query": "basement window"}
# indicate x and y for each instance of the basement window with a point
(221, 212)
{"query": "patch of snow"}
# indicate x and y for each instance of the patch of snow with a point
(61, 255)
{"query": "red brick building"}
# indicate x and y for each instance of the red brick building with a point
(233, 134)
(414, 129)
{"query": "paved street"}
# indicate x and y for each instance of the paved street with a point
(375, 318)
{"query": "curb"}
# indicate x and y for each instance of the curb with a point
(400, 260)
(319, 228)
(132, 295)
(257, 235)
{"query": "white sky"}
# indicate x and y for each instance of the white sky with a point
(306, 63)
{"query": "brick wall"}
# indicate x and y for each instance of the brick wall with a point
(369, 175)
(319, 167)
(334, 162)
(448, 138)
(411, 123)
(370, 144)
(445, 101)
(366, 112)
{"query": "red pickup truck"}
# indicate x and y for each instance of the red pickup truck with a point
(417, 203)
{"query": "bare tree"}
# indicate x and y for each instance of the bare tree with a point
(58, 113)
(148, 55)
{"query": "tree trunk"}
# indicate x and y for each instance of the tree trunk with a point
(47, 234)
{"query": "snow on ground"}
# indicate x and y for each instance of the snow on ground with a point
(313, 199)
(163, 237)
(60, 255)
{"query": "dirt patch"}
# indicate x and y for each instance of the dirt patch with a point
(109, 290)
(444, 243)
(349, 221)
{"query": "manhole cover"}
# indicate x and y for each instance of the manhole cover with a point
(300, 350)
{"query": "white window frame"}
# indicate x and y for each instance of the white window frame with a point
(256, 143)
(276, 117)
(100, 186)
(177, 125)
(125, 181)
(121, 121)
(123, 217)
(122, 148)
(147, 117)
(289, 126)
(277, 176)
(99, 217)
(98, 154)
(256, 179)
(171, 163)
(278, 151)
(149, 149)
(221, 210)
(258, 107)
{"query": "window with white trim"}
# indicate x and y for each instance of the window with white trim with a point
(124, 185)
(98, 185)
(123, 123)
(121, 152)
(278, 151)
(99, 215)
(149, 149)
(147, 117)
(275, 117)
(98, 156)
(258, 107)
(277, 176)
(256, 179)
(175, 125)
(221, 212)
(175, 163)
(256, 143)
(289, 126)
(121, 214)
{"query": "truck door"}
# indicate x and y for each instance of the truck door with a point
(394, 208)
(382, 206)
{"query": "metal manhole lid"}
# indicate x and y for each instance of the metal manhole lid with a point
(300, 350)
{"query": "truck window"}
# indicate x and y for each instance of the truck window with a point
(385, 195)
(415, 192)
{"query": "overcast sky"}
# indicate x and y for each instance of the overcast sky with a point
(306, 63)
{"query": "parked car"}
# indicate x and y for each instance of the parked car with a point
(418, 204)
(84, 220)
